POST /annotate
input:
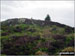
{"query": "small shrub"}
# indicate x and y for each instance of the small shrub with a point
(58, 37)
(70, 40)
(31, 30)
(17, 29)
(40, 53)
(68, 49)
(4, 34)
(68, 30)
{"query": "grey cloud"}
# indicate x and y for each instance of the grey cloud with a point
(12, 9)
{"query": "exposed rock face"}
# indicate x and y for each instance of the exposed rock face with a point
(22, 20)
(28, 21)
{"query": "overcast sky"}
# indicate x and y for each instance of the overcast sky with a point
(59, 11)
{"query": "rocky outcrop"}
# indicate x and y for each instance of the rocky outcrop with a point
(16, 21)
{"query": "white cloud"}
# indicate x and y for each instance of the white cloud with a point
(60, 11)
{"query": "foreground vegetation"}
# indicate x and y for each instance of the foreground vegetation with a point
(26, 39)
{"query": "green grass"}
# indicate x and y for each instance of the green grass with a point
(45, 33)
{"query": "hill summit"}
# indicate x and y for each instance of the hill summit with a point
(45, 22)
(23, 36)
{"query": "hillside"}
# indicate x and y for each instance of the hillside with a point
(22, 36)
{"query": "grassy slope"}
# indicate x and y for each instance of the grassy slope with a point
(50, 39)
